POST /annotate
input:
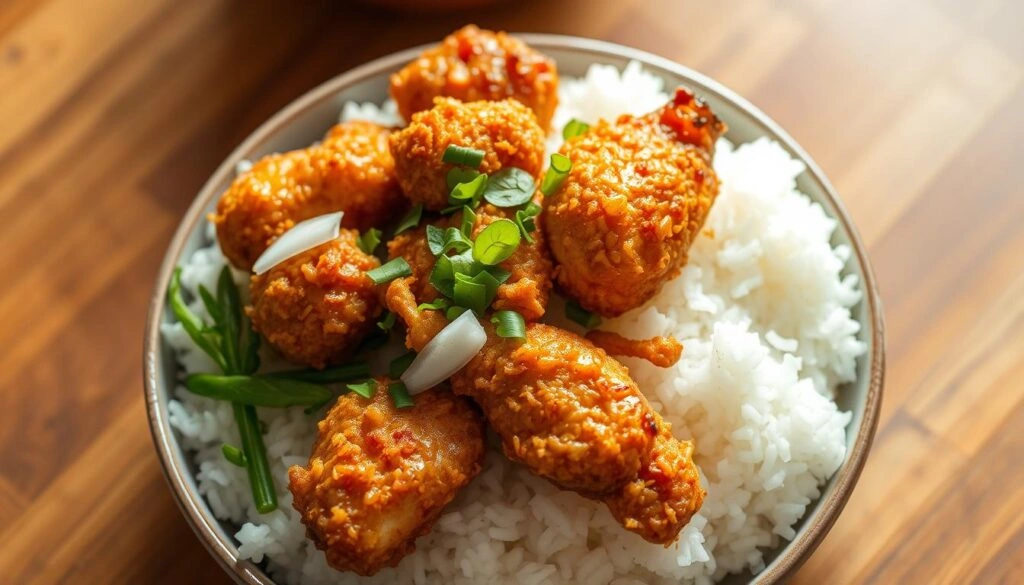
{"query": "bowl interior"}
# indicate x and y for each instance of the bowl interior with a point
(305, 121)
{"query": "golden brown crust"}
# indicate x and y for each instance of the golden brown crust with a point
(378, 477)
(665, 494)
(351, 170)
(660, 351)
(636, 198)
(473, 64)
(562, 407)
(506, 131)
(315, 308)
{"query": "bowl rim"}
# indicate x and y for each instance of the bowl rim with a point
(197, 512)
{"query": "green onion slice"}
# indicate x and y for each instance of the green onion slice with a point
(580, 315)
(509, 324)
(264, 496)
(442, 277)
(468, 221)
(574, 128)
(556, 174)
(460, 175)
(387, 322)
(470, 294)
(526, 222)
(438, 304)
(233, 455)
(509, 187)
(468, 193)
(396, 268)
(462, 155)
(366, 389)
(401, 363)
(454, 312)
(496, 242)
(411, 219)
(369, 240)
(400, 395)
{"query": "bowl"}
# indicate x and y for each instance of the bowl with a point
(304, 121)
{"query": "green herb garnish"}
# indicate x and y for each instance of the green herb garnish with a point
(496, 242)
(468, 193)
(400, 364)
(509, 324)
(439, 304)
(580, 315)
(258, 390)
(460, 175)
(365, 389)
(574, 128)
(400, 395)
(441, 241)
(411, 219)
(526, 222)
(509, 187)
(468, 221)
(387, 322)
(556, 174)
(462, 155)
(369, 240)
(389, 271)
(233, 455)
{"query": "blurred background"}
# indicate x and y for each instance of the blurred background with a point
(114, 112)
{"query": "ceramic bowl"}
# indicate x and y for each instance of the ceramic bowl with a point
(305, 120)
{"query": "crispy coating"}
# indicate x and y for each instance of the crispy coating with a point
(527, 289)
(562, 407)
(506, 131)
(351, 170)
(660, 351)
(665, 494)
(379, 477)
(473, 64)
(637, 196)
(315, 308)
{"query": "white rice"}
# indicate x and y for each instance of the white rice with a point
(765, 318)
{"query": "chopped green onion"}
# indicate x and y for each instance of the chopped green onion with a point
(400, 395)
(272, 392)
(460, 175)
(453, 313)
(369, 240)
(442, 277)
(499, 274)
(580, 315)
(396, 268)
(468, 221)
(411, 219)
(233, 455)
(439, 304)
(203, 337)
(509, 324)
(365, 389)
(387, 322)
(462, 155)
(496, 242)
(509, 187)
(526, 222)
(441, 241)
(468, 193)
(470, 294)
(262, 483)
(556, 174)
(574, 128)
(400, 364)
(343, 373)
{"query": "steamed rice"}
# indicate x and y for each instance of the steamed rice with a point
(764, 314)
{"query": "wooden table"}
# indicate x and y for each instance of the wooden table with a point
(113, 113)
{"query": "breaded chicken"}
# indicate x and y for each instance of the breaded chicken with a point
(316, 307)
(638, 194)
(527, 289)
(351, 170)
(506, 131)
(562, 407)
(665, 494)
(473, 64)
(379, 476)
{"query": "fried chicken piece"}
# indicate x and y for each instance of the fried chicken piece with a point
(379, 477)
(506, 131)
(637, 196)
(665, 494)
(316, 307)
(562, 407)
(351, 170)
(473, 64)
(660, 351)
(527, 289)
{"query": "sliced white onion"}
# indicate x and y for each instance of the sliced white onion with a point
(303, 236)
(447, 353)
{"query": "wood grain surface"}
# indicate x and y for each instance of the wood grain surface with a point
(114, 112)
